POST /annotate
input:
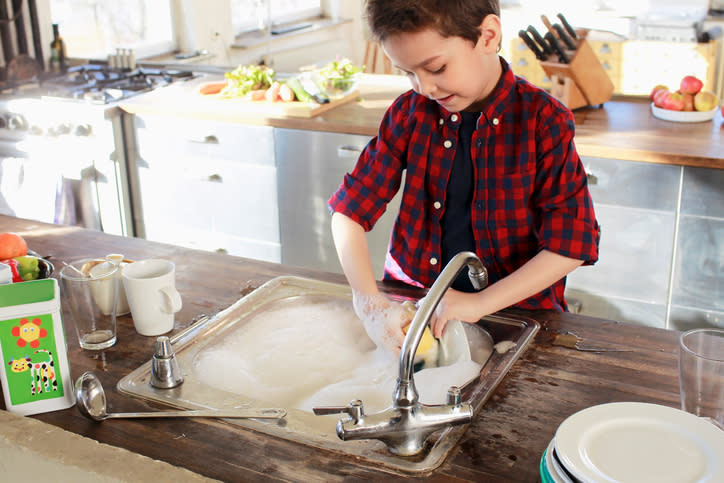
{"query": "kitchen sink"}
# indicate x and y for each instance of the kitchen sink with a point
(246, 357)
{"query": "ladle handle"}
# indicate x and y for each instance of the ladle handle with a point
(270, 413)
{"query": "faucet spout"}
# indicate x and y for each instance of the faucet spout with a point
(406, 394)
(406, 425)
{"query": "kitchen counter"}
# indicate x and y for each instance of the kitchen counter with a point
(622, 128)
(503, 443)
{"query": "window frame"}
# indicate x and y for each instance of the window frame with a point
(296, 16)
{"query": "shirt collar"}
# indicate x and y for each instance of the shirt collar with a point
(498, 99)
(500, 96)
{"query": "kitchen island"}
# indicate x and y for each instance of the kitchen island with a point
(505, 441)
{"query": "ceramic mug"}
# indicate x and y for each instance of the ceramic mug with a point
(152, 296)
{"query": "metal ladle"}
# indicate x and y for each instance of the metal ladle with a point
(91, 402)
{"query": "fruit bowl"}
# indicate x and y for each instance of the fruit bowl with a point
(44, 265)
(683, 116)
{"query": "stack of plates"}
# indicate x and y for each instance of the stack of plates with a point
(634, 442)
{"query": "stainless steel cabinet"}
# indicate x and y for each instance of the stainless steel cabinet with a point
(661, 259)
(206, 185)
(310, 167)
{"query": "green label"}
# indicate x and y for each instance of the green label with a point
(27, 292)
(30, 358)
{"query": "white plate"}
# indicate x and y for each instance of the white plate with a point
(683, 116)
(554, 470)
(454, 345)
(640, 442)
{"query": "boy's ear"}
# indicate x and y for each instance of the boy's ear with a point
(491, 33)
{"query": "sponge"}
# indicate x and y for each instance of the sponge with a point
(427, 352)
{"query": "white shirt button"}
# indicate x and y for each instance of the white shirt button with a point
(437, 205)
(433, 261)
(496, 121)
(454, 118)
(441, 121)
(447, 143)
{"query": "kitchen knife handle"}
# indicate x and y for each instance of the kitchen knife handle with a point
(539, 54)
(568, 41)
(547, 23)
(562, 57)
(571, 31)
(541, 42)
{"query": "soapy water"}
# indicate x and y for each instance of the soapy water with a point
(299, 356)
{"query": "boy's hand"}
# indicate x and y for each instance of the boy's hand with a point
(455, 305)
(383, 319)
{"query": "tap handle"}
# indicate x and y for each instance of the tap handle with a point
(355, 409)
(454, 397)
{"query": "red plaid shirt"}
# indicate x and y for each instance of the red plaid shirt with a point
(530, 187)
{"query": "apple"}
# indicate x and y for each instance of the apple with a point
(659, 97)
(656, 89)
(673, 101)
(705, 101)
(690, 85)
(688, 102)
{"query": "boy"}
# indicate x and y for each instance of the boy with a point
(490, 164)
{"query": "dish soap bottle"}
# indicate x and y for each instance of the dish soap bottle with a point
(57, 52)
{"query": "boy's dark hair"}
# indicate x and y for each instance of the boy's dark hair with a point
(449, 18)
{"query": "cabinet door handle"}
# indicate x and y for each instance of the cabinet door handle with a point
(215, 178)
(210, 139)
(348, 151)
(591, 176)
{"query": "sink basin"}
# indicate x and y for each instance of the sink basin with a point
(296, 343)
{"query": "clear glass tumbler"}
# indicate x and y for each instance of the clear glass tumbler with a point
(91, 300)
(701, 373)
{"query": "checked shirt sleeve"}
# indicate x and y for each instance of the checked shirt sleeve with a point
(375, 179)
(567, 225)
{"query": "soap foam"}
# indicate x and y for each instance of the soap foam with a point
(315, 354)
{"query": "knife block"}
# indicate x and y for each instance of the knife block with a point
(583, 81)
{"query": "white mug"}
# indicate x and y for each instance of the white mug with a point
(152, 296)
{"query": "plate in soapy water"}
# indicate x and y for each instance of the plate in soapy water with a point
(464, 342)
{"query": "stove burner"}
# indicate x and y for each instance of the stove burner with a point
(99, 84)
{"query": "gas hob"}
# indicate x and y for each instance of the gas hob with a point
(96, 84)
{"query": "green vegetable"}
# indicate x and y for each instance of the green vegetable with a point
(247, 78)
(339, 75)
(28, 267)
(299, 92)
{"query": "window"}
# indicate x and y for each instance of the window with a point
(255, 14)
(92, 29)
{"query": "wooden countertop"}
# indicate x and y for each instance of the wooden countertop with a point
(503, 443)
(622, 128)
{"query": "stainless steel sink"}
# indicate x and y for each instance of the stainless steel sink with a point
(302, 426)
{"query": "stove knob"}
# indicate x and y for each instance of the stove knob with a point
(36, 130)
(3, 121)
(16, 122)
(83, 130)
(63, 128)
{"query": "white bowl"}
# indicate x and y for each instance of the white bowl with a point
(683, 116)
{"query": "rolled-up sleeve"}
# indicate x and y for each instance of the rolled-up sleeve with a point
(567, 224)
(365, 191)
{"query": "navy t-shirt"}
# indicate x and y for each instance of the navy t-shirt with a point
(456, 222)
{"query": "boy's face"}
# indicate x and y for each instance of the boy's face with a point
(450, 70)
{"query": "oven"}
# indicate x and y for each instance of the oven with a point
(62, 153)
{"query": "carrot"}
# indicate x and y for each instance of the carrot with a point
(212, 88)
(257, 95)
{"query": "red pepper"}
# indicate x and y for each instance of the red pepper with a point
(14, 267)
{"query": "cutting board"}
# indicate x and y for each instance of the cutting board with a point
(274, 109)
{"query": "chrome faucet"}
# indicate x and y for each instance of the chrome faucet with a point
(405, 426)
